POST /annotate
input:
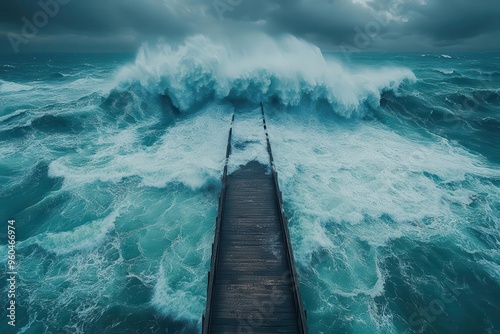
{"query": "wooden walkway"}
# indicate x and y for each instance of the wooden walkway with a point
(252, 283)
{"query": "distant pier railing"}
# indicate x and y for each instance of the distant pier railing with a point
(301, 312)
(215, 245)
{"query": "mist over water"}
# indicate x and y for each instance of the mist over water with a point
(388, 163)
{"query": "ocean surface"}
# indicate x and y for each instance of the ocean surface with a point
(389, 165)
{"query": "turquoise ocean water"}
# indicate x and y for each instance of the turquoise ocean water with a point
(389, 165)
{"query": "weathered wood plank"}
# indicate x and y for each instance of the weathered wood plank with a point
(252, 281)
(251, 276)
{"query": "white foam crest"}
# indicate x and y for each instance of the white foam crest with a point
(71, 91)
(190, 153)
(337, 174)
(88, 82)
(382, 318)
(13, 114)
(176, 296)
(255, 69)
(84, 237)
(358, 287)
(12, 87)
(492, 267)
(445, 71)
(89, 279)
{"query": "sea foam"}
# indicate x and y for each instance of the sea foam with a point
(287, 70)
(12, 87)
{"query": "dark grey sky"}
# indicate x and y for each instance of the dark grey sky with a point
(371, 25)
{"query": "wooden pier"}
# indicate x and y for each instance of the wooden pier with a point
(252, 283)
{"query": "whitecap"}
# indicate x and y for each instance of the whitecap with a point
(13, 114)
(445, 71)
(192, 153)
(286, 69)
(181, 303)
(12, 87)
(84, 237)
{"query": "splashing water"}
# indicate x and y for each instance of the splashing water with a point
(388, 166)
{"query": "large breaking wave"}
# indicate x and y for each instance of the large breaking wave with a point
(287, 71)
(117, 190)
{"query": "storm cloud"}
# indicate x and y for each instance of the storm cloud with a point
(371, 25)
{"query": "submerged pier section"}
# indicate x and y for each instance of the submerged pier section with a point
(252, 283)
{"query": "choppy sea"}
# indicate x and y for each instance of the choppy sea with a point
(389, 165)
